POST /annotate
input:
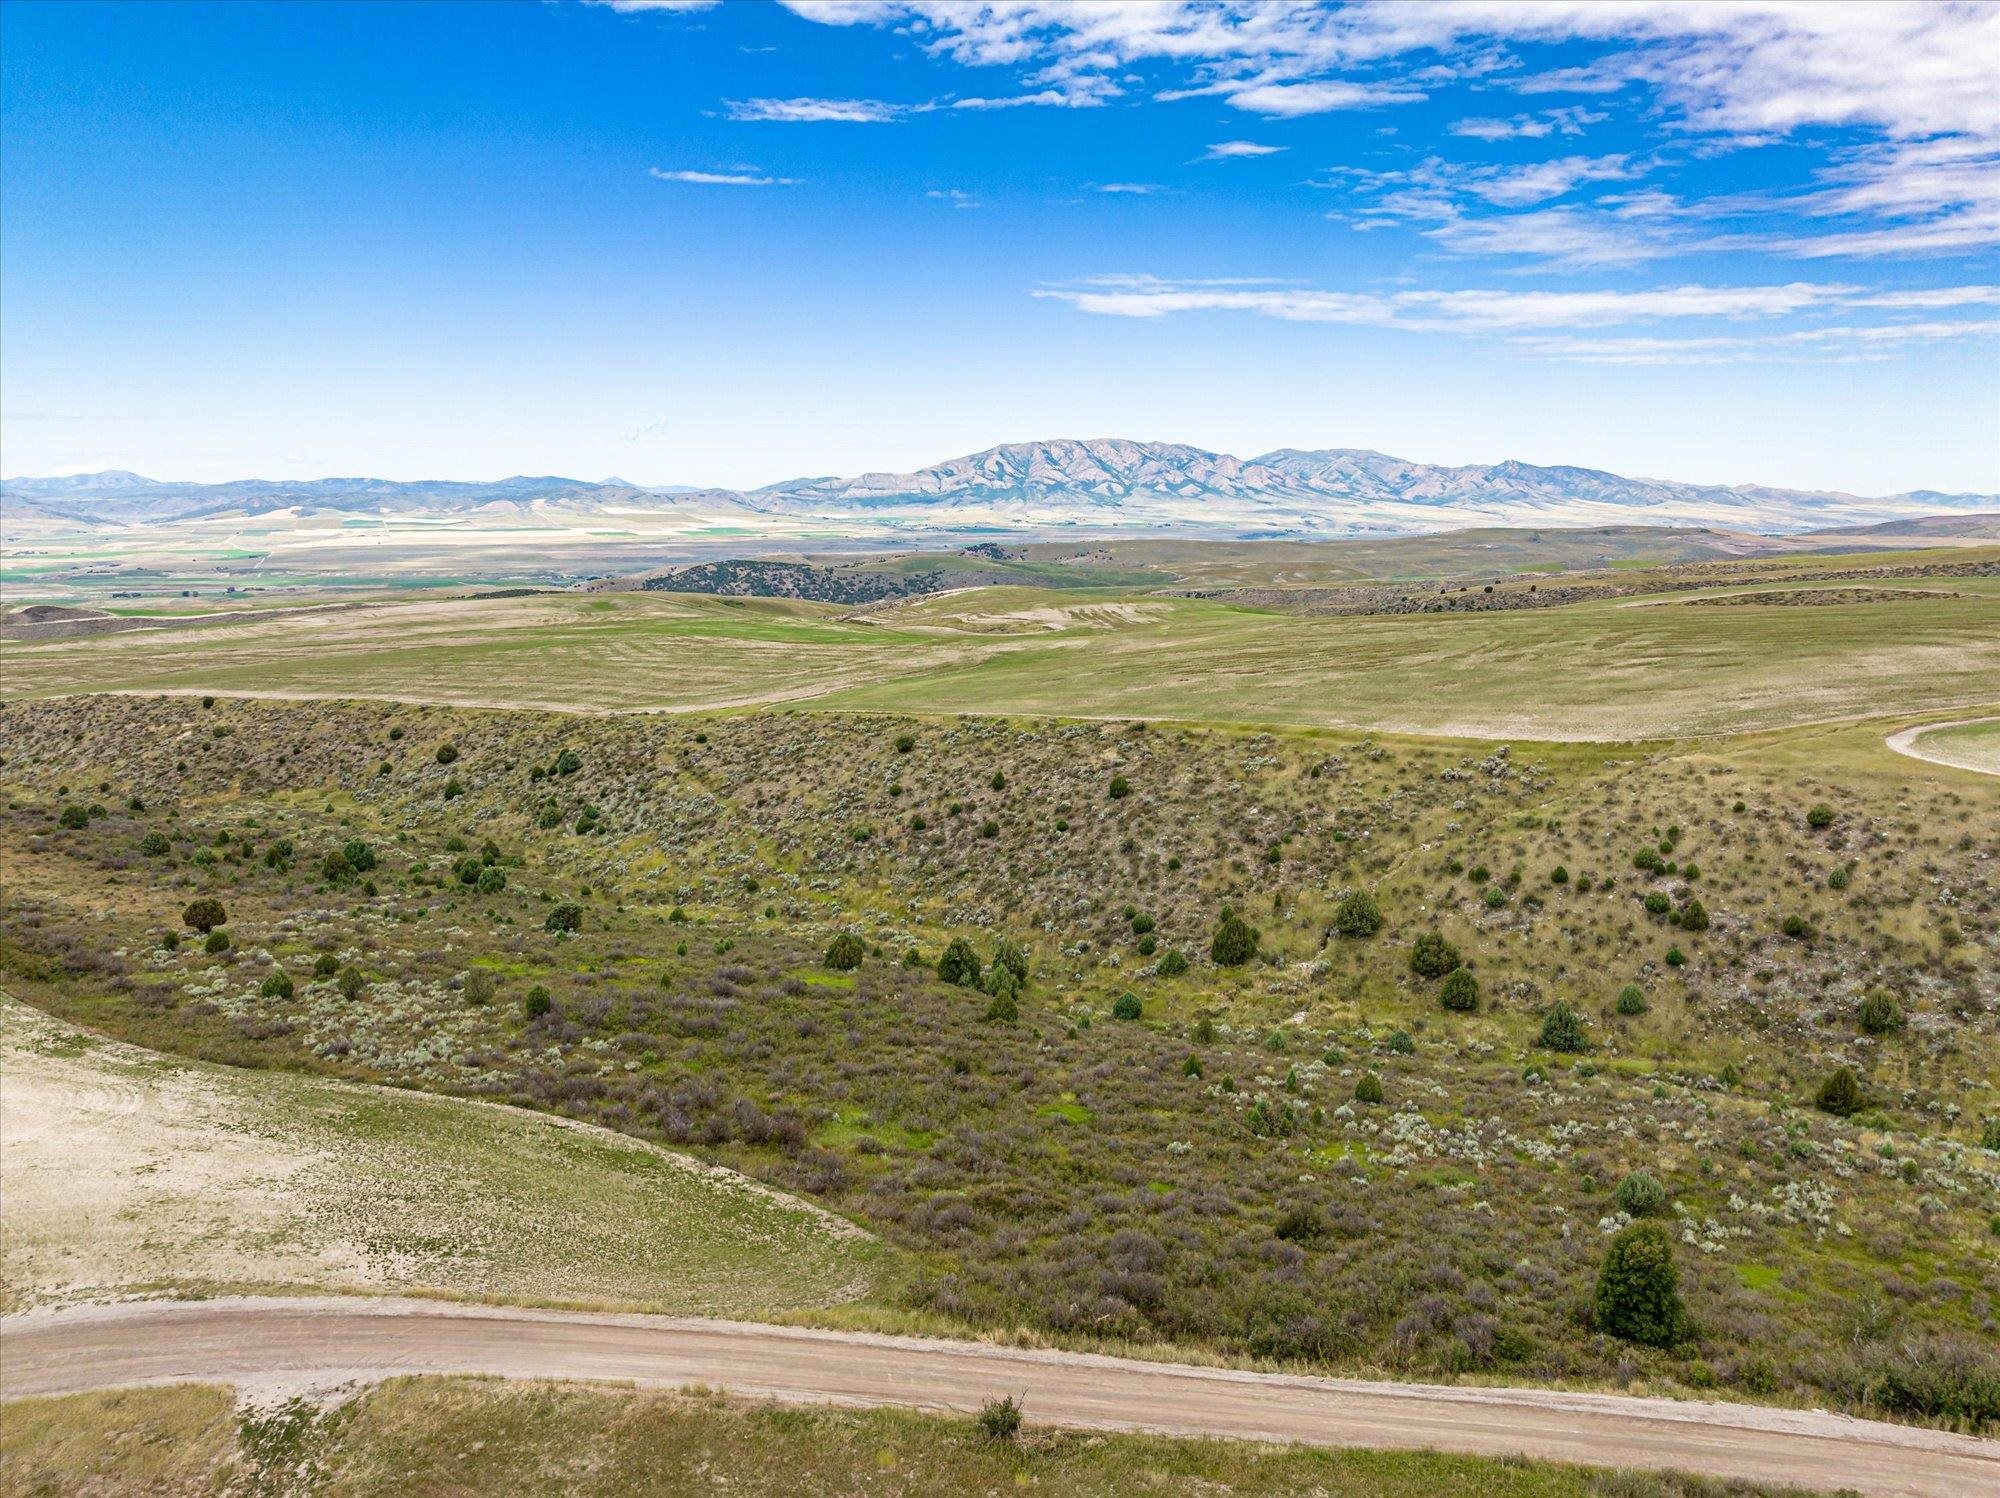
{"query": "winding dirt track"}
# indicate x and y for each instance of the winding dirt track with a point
(1906, 742)
(276, 1345)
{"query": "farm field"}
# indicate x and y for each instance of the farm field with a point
(1391, 1143)
(129, 1172)
(1622, 668)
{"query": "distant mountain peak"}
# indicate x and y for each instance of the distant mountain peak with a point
(1060, 483)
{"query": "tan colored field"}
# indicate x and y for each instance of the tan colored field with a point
(125, 1172)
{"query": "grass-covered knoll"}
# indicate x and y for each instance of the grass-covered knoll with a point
(1619, 668)
(125, 1171)
(461, 1435)
(1382, 1119)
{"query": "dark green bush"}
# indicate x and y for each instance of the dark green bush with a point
(564, 919)
(216, 941)
(1638, 1288)
(155, 845)
(1798, 928)
(1000, 1419)
(1005, 1008)
(73, 816)
(1820, 816)
(204, 914)
(1141, 924)
(1880, 1013)
(1432, 956)
(1009, 955)
(1357, 914)
(959, 965)
(277, 985)
(1562, 1030)
(1120, 788)
(1840, 1094)
(335, 869)
(1368, 1089)
(447, 753)
(1172, 965)
(479, 987)
(905, 742)
(1235, 940)
(568, 762)
(351, 983)
(1631, 999)
(537, 1002)
(1694, 916)
(845, 952)
(1460, 992)
(1127, 1007)
(491, 880)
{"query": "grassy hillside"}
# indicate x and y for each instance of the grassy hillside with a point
(455, 1435)
(1208, 1172)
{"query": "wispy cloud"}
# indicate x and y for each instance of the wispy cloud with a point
(1568, 121)
(1137, 189)
(954, 197)
(817, 111)
(1230, 150)
(1550, 322)
(1288, 100)
(748, 177)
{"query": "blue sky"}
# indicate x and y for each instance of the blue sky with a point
(736, 243)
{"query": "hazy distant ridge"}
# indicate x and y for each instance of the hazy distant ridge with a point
(1066, 482)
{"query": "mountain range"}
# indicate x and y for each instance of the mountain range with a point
(1059, 485)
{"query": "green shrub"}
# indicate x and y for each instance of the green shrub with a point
(1432, 956)
(447, 753)
(1658, 904)
(216, 941)
(564, 919)
(480, 987)
(1880, 1014)
(1694, 916)
(1000, 1419)
(568, 762)
(1009, 955)
(1120, 788)
(1400, 1043)
(1638, 1288)
(325, 965)
(1141, 924)
(73, 816)
(1676, 957)
(335, 869)
(204, 914)
(1127, 1007)
(1495, 897)
(1838, 879)
(452, 789)
(491, 880)
(1640, 1194)
(1368, 1089)
(1172, 965)
(1148, 945)
(1192, 1067)
(1559, 875)
(1302, 1224)
(276, 985)
(1820, 816)
(1631, 999)
(1460, 992)
(905, 742)
(845, 952)
(1798, 928)
(1357, 914)
(1562, 1030)
(360, 857)
(1840, 1094)
(1005, 1008)
(959, 965)
(537, 1002)
(1989, 1134)
(1235, 941)
(155, 845)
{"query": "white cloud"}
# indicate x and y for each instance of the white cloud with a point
(954, 197)
(817, 111)
(1137, 189)
(1230, 149)
(1292, 99)
(747, 178)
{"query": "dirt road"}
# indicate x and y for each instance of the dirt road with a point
(274, 1345)
(1910, 741)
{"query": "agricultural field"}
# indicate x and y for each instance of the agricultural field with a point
(1305, 1047)
(456, 1435)
(1609, 665)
